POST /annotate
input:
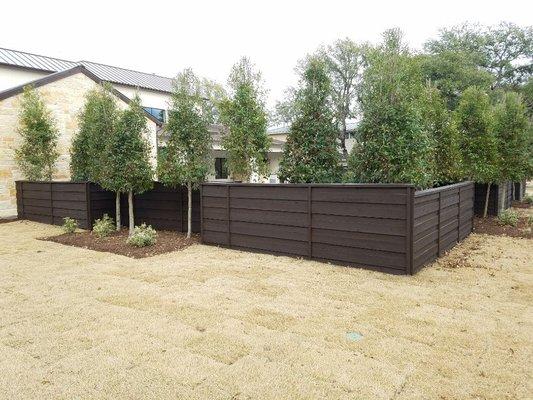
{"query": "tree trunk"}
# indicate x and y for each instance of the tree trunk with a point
(117, 210)
(343, 141)
(504, 196)
(486, 201)
(130, 211)
(189, 209)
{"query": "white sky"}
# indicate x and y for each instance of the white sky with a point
(164, 37)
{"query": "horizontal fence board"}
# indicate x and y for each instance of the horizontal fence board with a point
(360, 224)
(297, 206)
(360, 195)
(269, 217)
(215, 225)
(270, 231)
(46, 219)
(37, 186)
(277, 245)
(424, 241)
(216, 202)
(70, 205)
(36, 202)
(214, 190)
(69, 196)
(68, 187)
(426, 208)
(360, 256)
(37, 194)
(269, 192)
(390, 211)
(215, 213)
(212, 237)
(360, 240)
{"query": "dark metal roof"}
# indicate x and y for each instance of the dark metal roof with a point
(107, 73)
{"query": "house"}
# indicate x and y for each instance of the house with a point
(280, 133)
(63, 84)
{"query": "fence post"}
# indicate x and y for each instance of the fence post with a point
(88, 202)
(228, 217)
(438, 224)
(310, 220)
(20, 199)
(51, 204)
(410, 222)
(459, 216)
(201, 213)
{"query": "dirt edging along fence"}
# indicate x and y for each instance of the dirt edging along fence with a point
(385, 227)
(49, 202)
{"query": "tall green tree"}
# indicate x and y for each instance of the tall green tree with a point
(310, 154)
(441, 124)
(37, 153)
(243, 114)
(478, 142)
(187, 156)
(512, 131)
(128, 168)
(505, 50)
(97, 123)
(394, 142)
(345, 61)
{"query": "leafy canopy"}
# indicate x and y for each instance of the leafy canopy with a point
(127, 166)
(38, 153)
(310, 153)
(187, 155)
(394, 143)
(478, 143)
(97, 123)
(513, 133)
(244, 116)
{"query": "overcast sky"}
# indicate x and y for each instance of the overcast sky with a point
(164, 37)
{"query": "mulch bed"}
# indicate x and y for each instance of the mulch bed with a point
(518, 204)
(491, 226)
(167, 241)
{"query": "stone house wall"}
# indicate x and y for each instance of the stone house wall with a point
(64, 98)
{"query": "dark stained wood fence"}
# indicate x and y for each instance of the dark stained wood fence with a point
(520, 190)
(442, 217)
(164, 208)
(368, 225)
(495, 198)
(50, 202)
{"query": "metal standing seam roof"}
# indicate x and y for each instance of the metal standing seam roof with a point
(107, 73)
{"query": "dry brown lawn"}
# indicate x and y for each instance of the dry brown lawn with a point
(211, 323)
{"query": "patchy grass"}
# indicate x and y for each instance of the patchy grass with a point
(207, 322)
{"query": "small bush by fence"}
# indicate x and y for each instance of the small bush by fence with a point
(371, 225)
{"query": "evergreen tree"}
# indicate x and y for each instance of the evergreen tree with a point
(394, 143)
(38, 153)
(514, 137)
(441, 124)
(97, 123)
(478, 141)
(310, 153)
(127, 168)
(245, 118)
(187, 155)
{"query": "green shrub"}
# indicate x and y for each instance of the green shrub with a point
(528, 199)
(143, 235)
(69, 225)
(103, 227)
(508, 217)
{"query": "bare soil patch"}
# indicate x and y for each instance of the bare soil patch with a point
(491, 226)
(167, 241)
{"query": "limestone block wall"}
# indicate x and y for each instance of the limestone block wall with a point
(64, 98)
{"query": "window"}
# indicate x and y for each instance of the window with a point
(221, 168)
(156, 112)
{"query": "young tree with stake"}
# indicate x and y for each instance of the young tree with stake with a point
(478, 143)
(513, 136)
(38, 152)
(128, 168)
(187, 155)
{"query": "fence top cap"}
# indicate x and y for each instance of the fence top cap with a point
(348, 185)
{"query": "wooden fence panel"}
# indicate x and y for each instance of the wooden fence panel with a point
(443, 217)
(363, 225)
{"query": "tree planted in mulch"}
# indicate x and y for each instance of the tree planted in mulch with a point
(186, 160)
